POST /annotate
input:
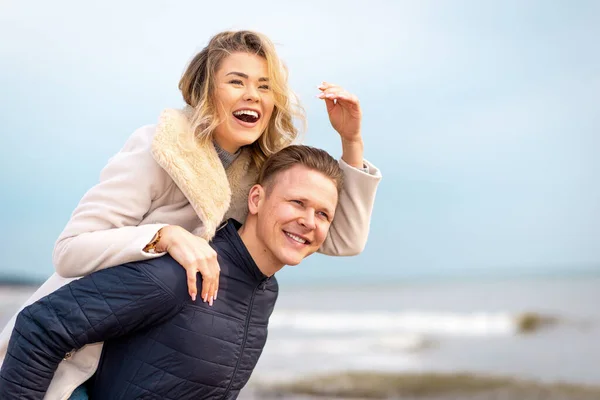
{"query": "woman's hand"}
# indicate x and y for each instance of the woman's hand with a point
(345, 116)
(195, 255)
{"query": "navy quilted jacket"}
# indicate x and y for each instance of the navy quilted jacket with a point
(158, 343)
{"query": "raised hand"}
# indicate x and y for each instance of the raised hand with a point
(343, 109)
(345, 116)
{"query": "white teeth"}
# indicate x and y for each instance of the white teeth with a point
(296, 238)
(247, 112)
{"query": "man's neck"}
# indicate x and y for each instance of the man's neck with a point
(262, 257)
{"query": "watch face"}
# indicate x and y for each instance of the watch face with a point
(150, 247)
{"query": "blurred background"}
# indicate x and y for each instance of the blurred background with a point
(483, 117)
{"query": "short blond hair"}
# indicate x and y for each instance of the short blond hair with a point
(307, 156)
(197, 86)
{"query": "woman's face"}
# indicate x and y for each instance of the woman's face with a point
(244, 100)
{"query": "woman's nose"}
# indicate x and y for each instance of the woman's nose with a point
(251, 94)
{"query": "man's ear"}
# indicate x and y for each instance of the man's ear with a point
(255, 197)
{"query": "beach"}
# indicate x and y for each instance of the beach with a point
(496, 339)
(532, 334)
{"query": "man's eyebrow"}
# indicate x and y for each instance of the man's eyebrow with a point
(320, 207)
(245, 76)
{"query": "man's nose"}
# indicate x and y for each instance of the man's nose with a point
(308, 219)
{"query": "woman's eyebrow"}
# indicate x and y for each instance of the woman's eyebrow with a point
(245, 76)
(240, 74)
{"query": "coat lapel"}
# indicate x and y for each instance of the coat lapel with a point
(200, 175)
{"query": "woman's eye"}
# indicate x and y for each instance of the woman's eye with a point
(236, 82)
(264, 87)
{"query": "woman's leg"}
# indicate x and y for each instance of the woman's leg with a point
(80, 393)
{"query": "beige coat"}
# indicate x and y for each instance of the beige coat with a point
(151, 183)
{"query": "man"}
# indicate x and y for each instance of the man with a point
(159, 344)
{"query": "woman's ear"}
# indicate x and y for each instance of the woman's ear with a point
(255, 198)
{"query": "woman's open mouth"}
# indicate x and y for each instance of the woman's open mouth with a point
(246, 115)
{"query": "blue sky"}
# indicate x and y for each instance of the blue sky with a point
(483, 117)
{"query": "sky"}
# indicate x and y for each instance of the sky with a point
(483, 117)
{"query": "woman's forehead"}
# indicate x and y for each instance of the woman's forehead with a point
(250, 65)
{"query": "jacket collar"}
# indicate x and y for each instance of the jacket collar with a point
(229, 232)
(200, 174)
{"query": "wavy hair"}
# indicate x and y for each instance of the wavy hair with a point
(198, 86)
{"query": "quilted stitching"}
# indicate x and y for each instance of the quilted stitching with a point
(159, 344)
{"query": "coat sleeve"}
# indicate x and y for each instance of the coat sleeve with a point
(104, 229)
(99, 307)
(350, 228)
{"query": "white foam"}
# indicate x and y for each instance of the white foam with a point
(456, 324)
(345, 346)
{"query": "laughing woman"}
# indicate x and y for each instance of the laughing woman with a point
(173, 183)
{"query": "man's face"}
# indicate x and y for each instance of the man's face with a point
(294, 214)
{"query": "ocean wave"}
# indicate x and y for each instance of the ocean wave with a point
(457, 324)
(348, 346)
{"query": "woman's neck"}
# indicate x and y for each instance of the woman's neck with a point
(226, 157)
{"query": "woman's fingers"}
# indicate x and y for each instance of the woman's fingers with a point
(216, 273)
(330, 92)
(343, 109)
(335, 94)
(210, 282)
(191, 282)
(195, 255)
(206, 282)
(209, 268)
(327, 85)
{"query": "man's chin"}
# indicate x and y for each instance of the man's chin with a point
(292, 260)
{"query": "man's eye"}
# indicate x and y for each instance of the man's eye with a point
(236, 82)
(324, 215)
(297, 202)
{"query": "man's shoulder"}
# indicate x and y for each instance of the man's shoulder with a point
(165, 272)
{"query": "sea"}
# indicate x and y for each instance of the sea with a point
(443, 326)
(424, 326)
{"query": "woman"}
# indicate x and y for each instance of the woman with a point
(172, 184)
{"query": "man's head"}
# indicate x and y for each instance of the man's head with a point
(292, 205)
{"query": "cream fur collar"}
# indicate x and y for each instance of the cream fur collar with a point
(213, 192)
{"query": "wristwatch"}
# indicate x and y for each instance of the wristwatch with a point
(151, 247)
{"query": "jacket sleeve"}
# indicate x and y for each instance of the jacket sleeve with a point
(350, 227)
(96, 308)
(103, 230)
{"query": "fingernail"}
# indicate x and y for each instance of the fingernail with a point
(210, 302)
(321, 95)
(330, 95)
(216, 294)
(205, 297)
(193, 296)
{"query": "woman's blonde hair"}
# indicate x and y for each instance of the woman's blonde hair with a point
(197, 86)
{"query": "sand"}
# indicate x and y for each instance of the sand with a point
(370, 385)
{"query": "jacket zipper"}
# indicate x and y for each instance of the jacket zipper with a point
(237, 364)
(264, 283)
